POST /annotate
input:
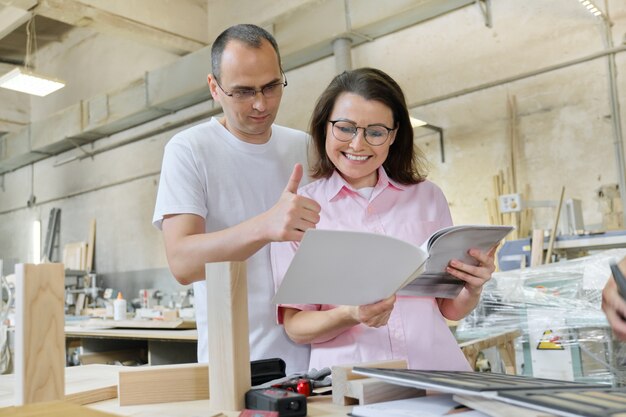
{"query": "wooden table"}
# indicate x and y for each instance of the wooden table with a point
(163, 346)
(316, 407)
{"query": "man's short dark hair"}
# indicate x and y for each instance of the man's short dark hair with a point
(251, 35)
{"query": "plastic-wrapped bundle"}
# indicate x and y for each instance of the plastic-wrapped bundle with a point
(557, 307)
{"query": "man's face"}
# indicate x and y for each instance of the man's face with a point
(244, 67)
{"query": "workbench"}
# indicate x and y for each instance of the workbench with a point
(78, 378)
(162, 346)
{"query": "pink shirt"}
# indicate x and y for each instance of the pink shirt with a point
(416, 330)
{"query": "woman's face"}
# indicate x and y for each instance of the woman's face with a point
(357, 160)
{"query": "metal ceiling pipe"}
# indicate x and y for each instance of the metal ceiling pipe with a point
(342, 49)
(507, 80)
(618, 138)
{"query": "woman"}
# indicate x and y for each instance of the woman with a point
(370, 177)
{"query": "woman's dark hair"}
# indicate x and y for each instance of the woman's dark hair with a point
(405, 162)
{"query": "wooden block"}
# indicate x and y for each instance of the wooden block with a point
(371, 390)
(229, 346)
(39, 333)
(53, 409)
(164, 383)
(91, 383)
(342, 375)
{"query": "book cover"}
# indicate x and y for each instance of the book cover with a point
(432, 405)
(344, 267)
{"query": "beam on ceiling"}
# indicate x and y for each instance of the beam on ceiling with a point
(301, 40)
(75, 13)
(154, 96)
(11, 18)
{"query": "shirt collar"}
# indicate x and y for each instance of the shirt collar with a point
(337, 185)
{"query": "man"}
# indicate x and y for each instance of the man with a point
(614, 305)
(228, 188)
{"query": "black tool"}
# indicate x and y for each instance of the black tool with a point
(619, 280)
(286, 403)
(302, 386)
(265, 370)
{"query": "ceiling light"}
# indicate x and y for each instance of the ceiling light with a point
(416, 122)
(26, 81)
(23, 79)
(591, 7)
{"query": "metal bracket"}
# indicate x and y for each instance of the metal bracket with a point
(440, 131)
(75, 157)
(77, 145)
(485, 8)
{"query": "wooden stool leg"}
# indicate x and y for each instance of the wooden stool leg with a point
(507, 353)
(39, 333)
(229, 346)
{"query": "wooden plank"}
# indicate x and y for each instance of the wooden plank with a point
(164, 383)
(91, 246)
(39, 334)
(137, 324)
(229, 346)
(83, 385)
(342, 376)
(91, 383)
(53, 409)
(536, 248)
(74, 255)
(554, 227)
(113, 356)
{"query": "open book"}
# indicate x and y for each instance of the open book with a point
(356, 268)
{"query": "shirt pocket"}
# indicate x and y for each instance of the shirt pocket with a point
(415, 231)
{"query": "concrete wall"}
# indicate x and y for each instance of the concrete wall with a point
(564, 124)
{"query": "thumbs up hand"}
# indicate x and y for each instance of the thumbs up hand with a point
(292, 215)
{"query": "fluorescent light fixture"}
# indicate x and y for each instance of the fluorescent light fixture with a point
(26, 81)
(591, 7)
(415, 122)
(36, 241)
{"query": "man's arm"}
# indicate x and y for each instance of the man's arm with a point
(614, 306)
(189, 248)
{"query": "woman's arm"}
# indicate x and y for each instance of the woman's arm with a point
(304, 326)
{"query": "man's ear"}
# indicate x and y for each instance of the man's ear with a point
(213, 86)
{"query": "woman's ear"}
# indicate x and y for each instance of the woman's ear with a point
(392, 139)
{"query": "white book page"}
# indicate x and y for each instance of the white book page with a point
(348, 268)
(454, 242)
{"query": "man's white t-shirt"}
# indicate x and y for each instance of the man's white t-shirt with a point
(209, 172)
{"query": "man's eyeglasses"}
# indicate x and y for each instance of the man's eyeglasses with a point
(345, 131)
(248, 94)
